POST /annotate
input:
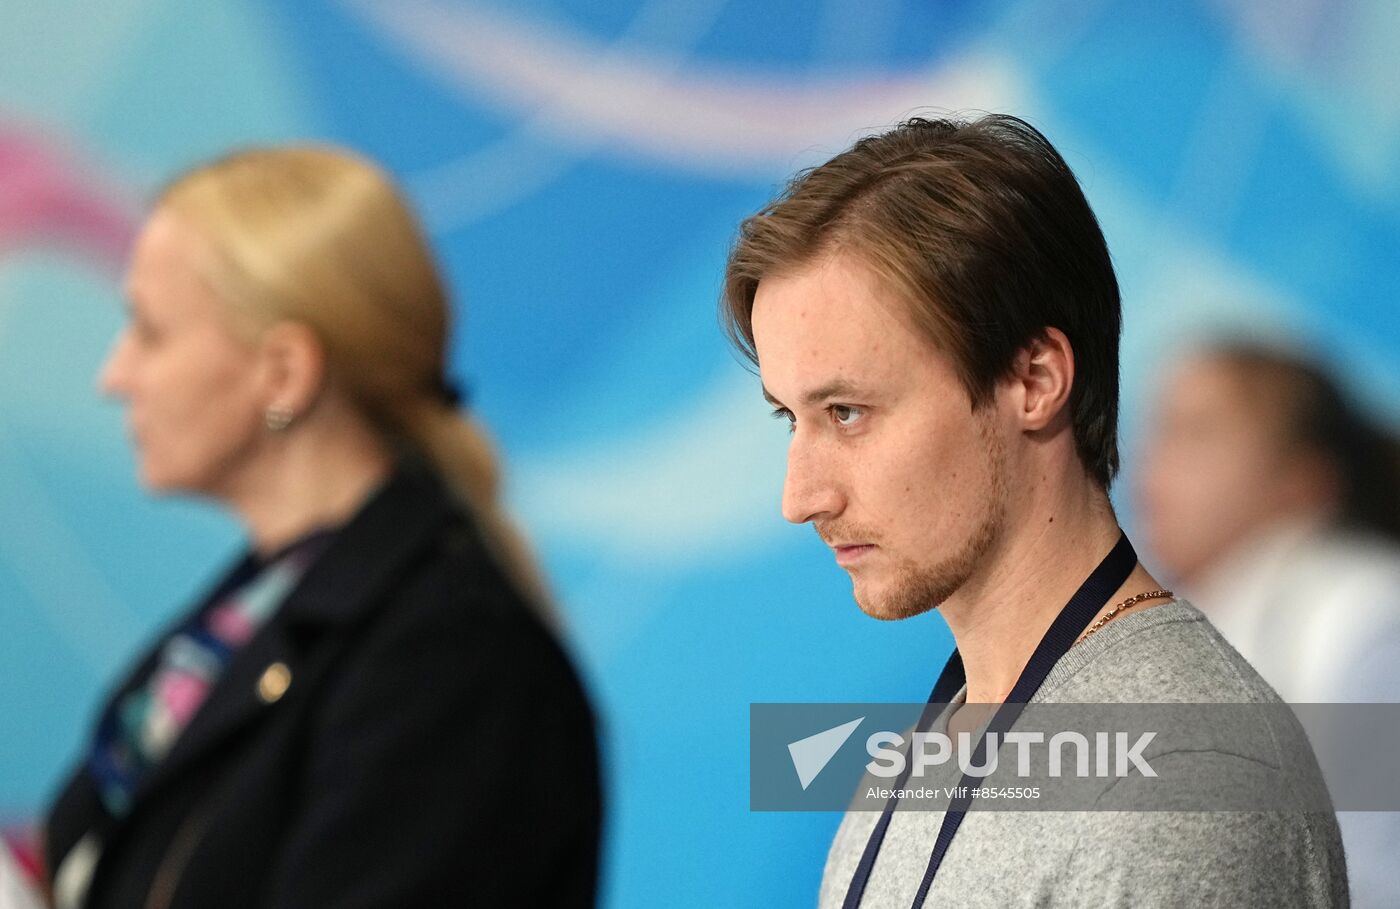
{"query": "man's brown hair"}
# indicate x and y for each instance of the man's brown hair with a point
(983, 232)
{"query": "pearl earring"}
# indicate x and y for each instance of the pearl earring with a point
(278, 418)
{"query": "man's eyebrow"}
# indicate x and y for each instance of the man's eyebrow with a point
(836, 388)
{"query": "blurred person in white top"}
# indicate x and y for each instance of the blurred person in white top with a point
(1274, 504)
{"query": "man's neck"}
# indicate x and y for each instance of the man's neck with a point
(1042, 557)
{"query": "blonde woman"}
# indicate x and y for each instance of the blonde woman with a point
(366, 710)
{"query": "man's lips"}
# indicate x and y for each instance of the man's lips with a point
(848, 554)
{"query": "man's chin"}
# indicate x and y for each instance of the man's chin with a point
(890, 607)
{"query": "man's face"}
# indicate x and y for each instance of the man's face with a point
(887, 459)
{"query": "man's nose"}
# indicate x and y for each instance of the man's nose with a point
(810, 490)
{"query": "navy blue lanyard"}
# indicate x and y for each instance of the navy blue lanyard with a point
(1091, 596)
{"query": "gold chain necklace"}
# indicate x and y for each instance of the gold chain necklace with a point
(1130, 601)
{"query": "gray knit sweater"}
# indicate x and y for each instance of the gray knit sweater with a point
(1167, 653)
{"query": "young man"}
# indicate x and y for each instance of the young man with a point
(935, 313)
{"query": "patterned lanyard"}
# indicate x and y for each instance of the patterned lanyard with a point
(145, 724)
(1091, 596)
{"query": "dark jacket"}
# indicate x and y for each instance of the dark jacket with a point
(433, 746)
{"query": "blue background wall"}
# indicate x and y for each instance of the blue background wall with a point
(582, 165)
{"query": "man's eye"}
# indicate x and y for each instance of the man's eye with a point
(782, 413)
(846, 414)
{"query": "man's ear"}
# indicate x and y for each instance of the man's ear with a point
(1042, 376)
(294, 364)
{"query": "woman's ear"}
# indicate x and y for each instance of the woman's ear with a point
(1043, 375)
(294, 365)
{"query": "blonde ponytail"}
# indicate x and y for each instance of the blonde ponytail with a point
(460, 450)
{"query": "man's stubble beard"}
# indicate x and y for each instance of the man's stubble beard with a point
(916, 588)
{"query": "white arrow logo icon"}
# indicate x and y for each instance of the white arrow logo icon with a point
(812, 754)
